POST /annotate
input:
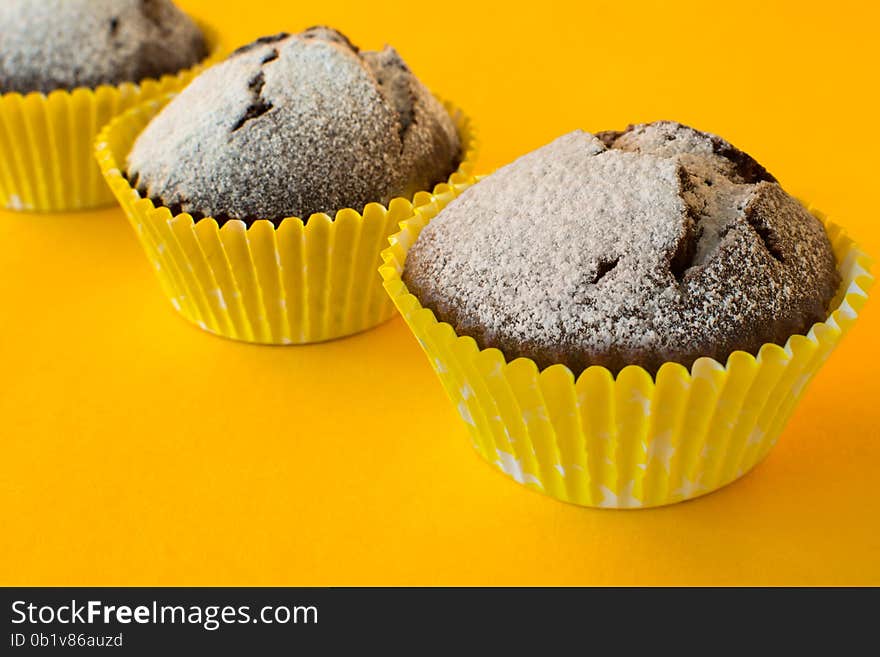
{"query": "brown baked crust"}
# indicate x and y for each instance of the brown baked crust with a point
(87, 43)
(758, 274)
(293, 125)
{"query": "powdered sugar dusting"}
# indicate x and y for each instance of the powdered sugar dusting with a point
(659, 243)
(63, 44)
(295, 124)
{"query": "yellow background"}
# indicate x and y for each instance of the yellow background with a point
(138, 450)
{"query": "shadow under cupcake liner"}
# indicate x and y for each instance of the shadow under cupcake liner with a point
(47, 159)
(301, 282)
(632, 440)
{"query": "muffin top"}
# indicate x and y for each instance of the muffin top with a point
(64, 44)
(290, 125)
(658, 243)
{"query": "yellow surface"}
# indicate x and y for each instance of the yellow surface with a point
(140, 450)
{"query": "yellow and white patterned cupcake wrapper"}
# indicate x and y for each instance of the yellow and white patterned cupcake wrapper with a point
(299, 283)
(630, 441)
(47, 141)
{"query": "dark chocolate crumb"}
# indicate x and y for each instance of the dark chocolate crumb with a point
(265, 40)
(608, 137)
(605, 266)
(744, 164)
(258, 107)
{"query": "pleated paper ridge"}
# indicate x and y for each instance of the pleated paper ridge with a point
(47, 140)
(300, 283)
(633, 440)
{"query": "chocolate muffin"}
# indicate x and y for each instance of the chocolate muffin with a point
(64, 44)
(658, 243)
(290, 125)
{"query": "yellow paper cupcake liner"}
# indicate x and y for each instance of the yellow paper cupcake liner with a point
(633, 440)
(302, 282)
(46, 141)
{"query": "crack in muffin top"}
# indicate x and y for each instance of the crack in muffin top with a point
(290, 125)
(64, 44)
(658, 243)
